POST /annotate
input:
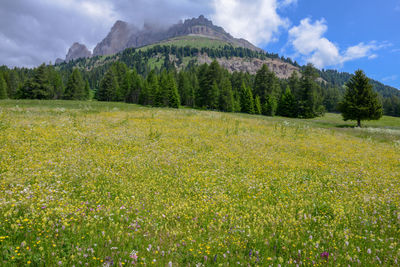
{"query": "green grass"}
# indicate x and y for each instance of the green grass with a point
(192, 41)
(92, 183)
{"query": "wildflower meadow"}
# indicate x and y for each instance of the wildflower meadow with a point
(113, 184)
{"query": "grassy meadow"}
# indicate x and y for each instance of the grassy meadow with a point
(89, 183)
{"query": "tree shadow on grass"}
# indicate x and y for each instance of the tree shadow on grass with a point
(346, 126)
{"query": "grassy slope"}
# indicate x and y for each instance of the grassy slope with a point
(192, 41)
(91, 182)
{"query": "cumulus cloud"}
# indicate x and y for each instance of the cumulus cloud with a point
(257, 21)
(39, 31)
(308, 41)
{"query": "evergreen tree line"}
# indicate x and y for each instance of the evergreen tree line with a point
(44, 82)
(214, 88)
(139, 59)
(205, 86)
(161, 57)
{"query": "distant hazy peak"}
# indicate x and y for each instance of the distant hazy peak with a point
(76, 51)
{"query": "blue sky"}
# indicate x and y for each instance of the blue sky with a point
(344, 35)
(349, 23)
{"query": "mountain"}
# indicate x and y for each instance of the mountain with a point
(76, 51)
(196, 33)
(124, 35)
(192, 42)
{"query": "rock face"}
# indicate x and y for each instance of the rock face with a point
(117, 40)
(59, 61)
(76, 51)
(282, 69)
(123, 35)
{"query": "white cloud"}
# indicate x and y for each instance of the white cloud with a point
(256, 21)
(285, 3)
(308, 41)
(390, 78)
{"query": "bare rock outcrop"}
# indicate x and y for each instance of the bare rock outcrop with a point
(282, 69)
(76, 51)
(117, 40)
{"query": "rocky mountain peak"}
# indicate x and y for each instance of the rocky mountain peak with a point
(116, 39)
(76, 51)
(124, 35)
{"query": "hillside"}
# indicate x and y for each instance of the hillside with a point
(206, 42)
(197, 50)
(117, 184)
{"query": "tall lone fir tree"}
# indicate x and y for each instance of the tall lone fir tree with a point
(360, 101)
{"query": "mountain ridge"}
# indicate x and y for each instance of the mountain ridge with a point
(124, 35)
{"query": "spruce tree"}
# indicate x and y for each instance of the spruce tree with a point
(87, 91)
(162, 95)
(57, 84)
(226, 100)
(153, 87)
(108, 87)
(184, 88)
(287, 104)
(173, 99)
(261, 83)
(309, 99)
(266, 84)
(12, 84)
(214, 96)
(205, 85)
(75, 89)
(38, 87)
(270, 106)
(3, 88)
(120, 71)
(247, 101)
(257, 105)
(135, 87)
(360, 101)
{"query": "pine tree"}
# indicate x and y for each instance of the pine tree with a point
(108, 87)
(214, 96)
(247, 101)
(309, 100)
(162, 95)
(153, 87)
(287, 104)
(184, 88)
(135, 87)
(3, 88)
(12, 84)
(173, 99)
(120, 70)
(360, 101)
(270, 106)
(257, 105)
(261, 83)
(209, 77)
(266, 84)
(75, 89)
(226, 101)
(38, 87)
(57, 84)
(205, 85)
(87, 91)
